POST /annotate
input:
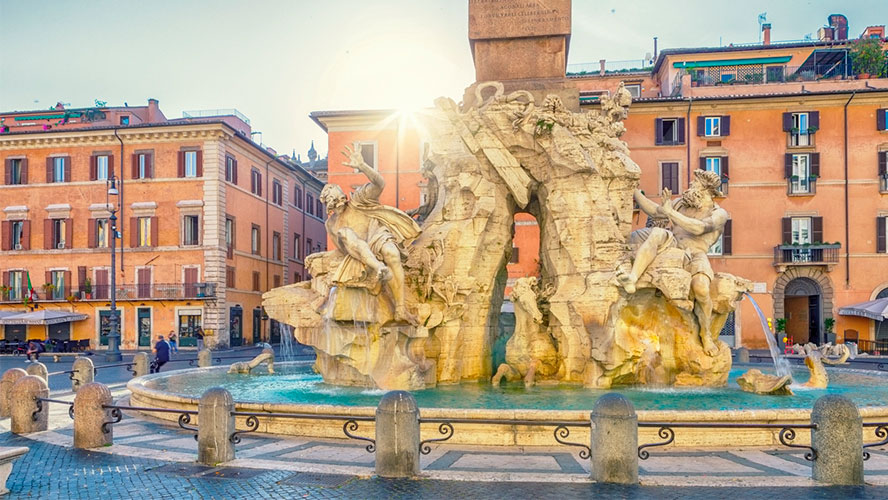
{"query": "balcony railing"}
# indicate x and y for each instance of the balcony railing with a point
(806, 255)
(757, 74)
(152, 291)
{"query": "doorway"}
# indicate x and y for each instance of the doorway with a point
(235, 325)
(803, 311)
(143, 326)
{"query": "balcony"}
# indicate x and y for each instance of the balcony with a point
(826, 254)
(153, 291)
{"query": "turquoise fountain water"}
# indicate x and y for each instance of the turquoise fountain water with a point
(781, 364)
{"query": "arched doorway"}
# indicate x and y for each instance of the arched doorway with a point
(882, 326)
(803, 307)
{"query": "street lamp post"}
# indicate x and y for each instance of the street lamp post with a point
(113, 352)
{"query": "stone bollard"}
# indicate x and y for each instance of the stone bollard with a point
(89, 415)
(204, 358)
(141, 364)
(838, 440)
(614, 440)
(6, 382)
(24, 405)
(397, 435)
(743, 355)
(84, 372)
(215, 426)
(38, 369)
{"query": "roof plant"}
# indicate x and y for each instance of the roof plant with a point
(869, 57)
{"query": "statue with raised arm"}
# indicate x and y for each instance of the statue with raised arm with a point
(369, 235)
(697, 223)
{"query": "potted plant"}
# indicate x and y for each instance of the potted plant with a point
(794, 178)
(828, 324)
(812, 177)
(87, 288)
(4, 291)
(811, 130)
(868, 58)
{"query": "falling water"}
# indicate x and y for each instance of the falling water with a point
(781, 364)
(288, 351)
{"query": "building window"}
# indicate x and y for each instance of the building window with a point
(296, 244)
(309, 204)
(320, 209)
(144, 236)
(297, 198)
(255, 281)
(801, 179)
(103, 228)
(143, 166)
(230, 169)
(881, 231)
(58, 233)
(801, 127)
(276, 246)
(14, 175)
(716, 248)
(368, 153)
(307, 246)
(276, 193)
(17, 229)
(16, 278)
(883, 171)
(191, 230)
(229, 234)
(190, 163)
(102, 168)
(669, 131)
(297, 277)
(514, 258)
(229, 277)
(634, 90)
(58, 285)
(801, 235)
(58, 169)
(255, 240)
(669, 177)
(714, 165)
(712, 126)
(256, 182)
(276, 280)
(124, 120)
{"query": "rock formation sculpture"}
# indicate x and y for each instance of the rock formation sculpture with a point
(505, 154)
(762, 383)
(245, 367)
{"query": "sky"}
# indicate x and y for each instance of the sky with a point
(276, 61)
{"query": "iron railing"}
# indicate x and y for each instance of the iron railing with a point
(816, 254)
(151, 291)
(351, 424)
(881, 432)
(666, 432)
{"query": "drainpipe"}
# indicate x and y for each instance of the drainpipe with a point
(847, 228)
(688, 137)
(267, 234)
(304, 236)
(121, 205)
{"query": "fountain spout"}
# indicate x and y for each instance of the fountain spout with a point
(781, 365)
(245, 367)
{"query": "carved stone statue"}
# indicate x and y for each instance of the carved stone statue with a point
(245, 367)
(369, 235)
(763, 383)
(697, 223)
(530, 350)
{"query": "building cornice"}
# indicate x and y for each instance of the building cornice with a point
(105, 137)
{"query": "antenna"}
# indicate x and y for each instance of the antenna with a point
(762, 19)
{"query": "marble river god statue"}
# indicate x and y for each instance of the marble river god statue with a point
(395, 305)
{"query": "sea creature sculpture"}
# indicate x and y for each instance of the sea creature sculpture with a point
(245, 367)
(762, 383)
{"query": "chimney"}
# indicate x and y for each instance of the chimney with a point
(655, 48)
(766, 34)
(601, 66)
(153, 111)
(839, 24)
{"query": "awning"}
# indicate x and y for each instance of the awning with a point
(874, 309)
(42, 317)
(6, 314)
(732, 62)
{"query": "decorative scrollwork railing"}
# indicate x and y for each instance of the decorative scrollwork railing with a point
(116, 415)
(666, 432)
(351, 423)
(560, 434)
(252, 424)
(881, 432)
(38, 402)
(446, 429)
(351, 426)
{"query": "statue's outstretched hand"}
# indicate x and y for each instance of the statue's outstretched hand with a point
(666, 201)
(355, 159)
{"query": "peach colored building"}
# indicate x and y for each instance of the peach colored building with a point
(207, 221)
(799, 138)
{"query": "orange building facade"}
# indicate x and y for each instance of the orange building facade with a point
(207, 221)
(799, 137)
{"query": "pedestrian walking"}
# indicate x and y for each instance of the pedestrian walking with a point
(172, 337)
(35, 347)
(161, 354)
(199, 335)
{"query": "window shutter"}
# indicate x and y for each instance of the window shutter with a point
(252, 182)
(726, 238)
(787, 122)
(154, 233)
(5, 278)
(91, 233)
(725, 126)
(7, 235)
(880, 234)
(880, 119)
(675, 185)
(787, 230)
(81, 277)
(883, 163)
(8, 176)
(67, 161)
(149, 159)
(817, 229)
(702, 163)
(47, 234)
(259, 183)
(658, 131)
(111, 165)
(134, 171)
(814, 119)
(200, 163)
(787, 165)
(24, 168)
(724, 166)
(48, 169)
(181, 164)
(701, 125)
(815, 164)
(69, 287)
(48, 276)
(93, 167)
(681, 130)
(234, 173)
(26, 235)
(134, 232)
(69, 233)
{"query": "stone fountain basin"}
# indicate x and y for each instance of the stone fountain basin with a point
(144, 393)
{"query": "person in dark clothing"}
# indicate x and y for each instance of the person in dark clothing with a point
(35, 347)
(161, 354)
